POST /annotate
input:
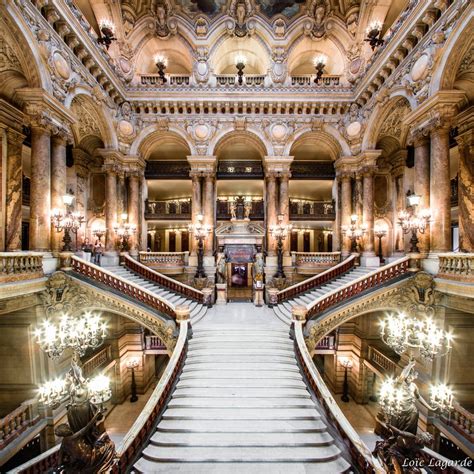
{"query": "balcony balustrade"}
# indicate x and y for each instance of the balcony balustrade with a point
(381, 361)
(17, 266)
(314, 262)
(307, 80)
(18, 421)
(456, 266)
(172, 80)
(168, 210)
(312, 210)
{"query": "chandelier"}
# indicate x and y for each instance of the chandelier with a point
(107, 33)
(79, 334)
(402, 333)
(67, 221)
(161, 62)
(414, 221)
(279, 232)
(354, 231)
(319, 63)
(374, 31)
(200, 232)
(240, 63)
(391, 397)
(124, 230)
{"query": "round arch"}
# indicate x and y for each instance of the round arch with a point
(152, 136)
(328, 134)
(226, 137)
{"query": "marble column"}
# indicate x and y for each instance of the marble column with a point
(368, 212)
(421, 145)
(346, 210)
(40, 198)
(122, 204)
(58, 184)
(271, 214)
(399, 246)
(359, 197)
(440, 191)
(134, 209)
(284, 206)
(208, 211)
(196, 205)
(466, 191)
(13, 191)
(110, 209)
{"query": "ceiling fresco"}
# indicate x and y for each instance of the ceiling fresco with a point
(209, 7)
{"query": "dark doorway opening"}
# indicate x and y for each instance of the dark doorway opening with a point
(239, 275)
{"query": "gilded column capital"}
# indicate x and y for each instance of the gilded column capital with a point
(61, 135)
(419, 137)
(14, 138)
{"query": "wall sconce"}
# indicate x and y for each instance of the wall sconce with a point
(161, 62)
(107, 33)
(319, 63)
(240, 62)
(374, 30)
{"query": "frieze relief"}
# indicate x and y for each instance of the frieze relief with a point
(64, 294)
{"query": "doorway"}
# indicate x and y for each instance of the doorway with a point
(239, 275)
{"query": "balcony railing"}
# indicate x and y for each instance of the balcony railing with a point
(250, 80)
(307, 80)
(98, 361)
(172, 80)
(17, 266)
(154, 343)
(327, 343)
(18, 421)
(314, 262)
(224, 210)
(179, 209)
(380, 360)
(462, 421)
(165, 262)
(456, 266)
(312, 210)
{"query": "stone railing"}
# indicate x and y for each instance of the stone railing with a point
(462, 421)
(154, 343)
(312, 210)
(166, 262)
(122, 286)
(318, 280)
(367, 282)
(168, 209)
(98, 361)
(17, 421)
(382, 361)
(172, 80)
(307, 80)
(134, 441)
(250, 80)
(327, 343)
(359, 452)
(311, 262)
(456, 266)
(16, 266)
(162, 280)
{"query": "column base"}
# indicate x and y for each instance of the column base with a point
(369, 259)
(109, 259)
(430, 264)
(50, 263)
(221, 293)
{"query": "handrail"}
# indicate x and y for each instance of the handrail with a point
(317, 280)
(15, 266)
(125, 287)
(360, 453)
(132, 443)
(456, 266)
(163, 280)
(355, 287)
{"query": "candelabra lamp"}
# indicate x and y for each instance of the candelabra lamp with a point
(240, 63)
(380, 232)
(161, 64)
(132, 364)
(347, 364)
(280, 232)
(319, 64)
(414, 220)
(124, 231)
(374, 32)
(67, 221)
(98, 232)
(200, 232)
(354, 232)
(107, 33)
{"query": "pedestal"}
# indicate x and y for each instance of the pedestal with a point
(258, 299)
(208, 296)
(65, 261)
(200, 283)
(272, 296)
(109, 259)
(369, 261)
(221, 293)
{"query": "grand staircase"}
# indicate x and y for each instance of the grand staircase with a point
(198, 310)
(241, 405)
(283, 310)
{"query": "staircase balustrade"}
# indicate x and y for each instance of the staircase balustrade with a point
(162, 280)
(359, 452)
(461, 420)
(134, 441)
(122, 286)
(456, 266)
(17, 421)
(154, 343)
(173, 260)
(382, 361)
(316, 281)
(355, 288)
(17, 266)
(99, 360)
(310, 261)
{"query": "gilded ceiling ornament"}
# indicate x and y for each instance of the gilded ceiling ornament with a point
(241, 11)
(318, 11)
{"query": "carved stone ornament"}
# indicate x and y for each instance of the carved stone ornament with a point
(279, 27)
(201, 65)
(165, 26)
(201, 27)
(201, 132)
(64, 294)
(318, 11)
(279, 67)
(415, 296)
(241, 11)
(278, 132)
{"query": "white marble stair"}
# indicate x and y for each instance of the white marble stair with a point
(198, 310)
(283, 310)
(241, 406)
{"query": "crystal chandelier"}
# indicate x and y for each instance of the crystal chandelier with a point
(67, 221)
(279, 232)
(200, 232)
(391, 397)
(99, 390)
(354, 232)
(442, 397)
(79, 334)
(402, 333)
(124, 230)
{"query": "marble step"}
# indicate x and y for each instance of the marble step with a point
(241, 426)
(240, 374)
(242, 439)
(247, 402)
(287, 367)
(293, 414)
(144, 466)
(263, 358)
(249, 383)
(271, 393)
(236, 337)
(249, 454)
(241, 345)
(231, 350)
(282, 314)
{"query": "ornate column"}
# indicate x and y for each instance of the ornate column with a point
(465, 140)
(110, 206)
(82, 163)
(271, 211)
(284, 203)
(359, 197)
(440, 190)
(40, 198)
(13, 191)
(368, 258)
(208, 207)
(58, 181)
(196, 199)
(134, 208)
(421, 144)
(346, 209)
